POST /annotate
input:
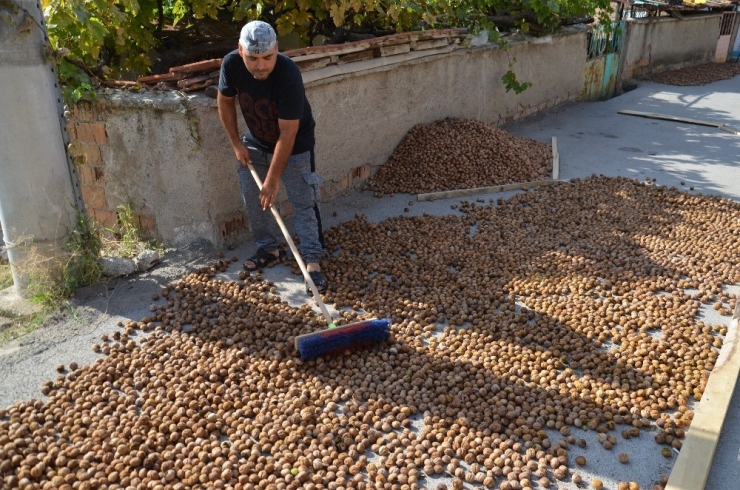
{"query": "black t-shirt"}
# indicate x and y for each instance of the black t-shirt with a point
(262, 102)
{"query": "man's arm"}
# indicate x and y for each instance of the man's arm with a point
(283, 150)
(227, 114)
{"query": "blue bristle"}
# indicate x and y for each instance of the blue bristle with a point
(335, 340)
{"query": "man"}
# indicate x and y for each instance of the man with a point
(279, 143)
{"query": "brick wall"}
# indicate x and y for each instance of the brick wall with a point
(87, 126)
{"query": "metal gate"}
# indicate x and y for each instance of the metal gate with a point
(725, 33)
(602, 66)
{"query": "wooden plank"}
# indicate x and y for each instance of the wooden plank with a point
(313, 64)
(433, 196)
(186, 82)
(119, 83)
(198, 66)
(691, 469)
(653, 115)
(555, 159)
(200, 86)
(728, 129)
(356, 56)
(164, 77)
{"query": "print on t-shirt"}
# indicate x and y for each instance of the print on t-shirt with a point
(261, 117)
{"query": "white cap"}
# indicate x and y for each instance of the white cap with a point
(257, 37)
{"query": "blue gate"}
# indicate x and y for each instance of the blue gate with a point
(602, 65)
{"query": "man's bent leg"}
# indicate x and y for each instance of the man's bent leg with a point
(302, 184)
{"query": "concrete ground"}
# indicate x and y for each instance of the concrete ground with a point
(592, 139)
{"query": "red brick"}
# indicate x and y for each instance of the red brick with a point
(101, 112)
(93, 155)
(94, 197)
(107, 219)
(99, 176)
(91, 175)
(70, 127)
(86, 174)
(83, 111)
(389, 40)
(91, 133)
(198, 66)
(232, 226)
(393, 40)
(147, 225)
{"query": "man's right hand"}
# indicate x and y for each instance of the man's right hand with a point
(242, 154)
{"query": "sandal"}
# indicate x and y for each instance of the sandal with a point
(319, 281)
(261, 259)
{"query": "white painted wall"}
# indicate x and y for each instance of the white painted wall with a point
(656, 44)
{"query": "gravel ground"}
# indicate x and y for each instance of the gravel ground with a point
(674, 154)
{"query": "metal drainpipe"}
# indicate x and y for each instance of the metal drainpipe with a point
(37, 194)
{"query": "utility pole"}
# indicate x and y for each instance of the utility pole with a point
(37, 193)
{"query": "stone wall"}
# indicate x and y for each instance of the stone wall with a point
(657, 44)
(167, 153)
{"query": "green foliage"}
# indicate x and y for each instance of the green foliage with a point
(110, 38)
(126, 239)
(76, 84)
(114, 38)
(52, 281)
(511, 82)
(6, 276)
(128, 234)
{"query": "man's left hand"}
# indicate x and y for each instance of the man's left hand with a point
(269, 192)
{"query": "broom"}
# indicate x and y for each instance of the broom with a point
(333, 339)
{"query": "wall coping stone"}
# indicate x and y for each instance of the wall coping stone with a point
(170, 101)
(649, 20)
(176, 101)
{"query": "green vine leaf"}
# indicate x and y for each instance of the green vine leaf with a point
(511, 82)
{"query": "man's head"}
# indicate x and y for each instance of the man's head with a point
(258, 48)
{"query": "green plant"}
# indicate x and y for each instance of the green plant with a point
(53, 279)
(76, 84)
(16, 326)
(130, 232)
(127, 240)
(103, 37)
(511, 82)
(6, 276)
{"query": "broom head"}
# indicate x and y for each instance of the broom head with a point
(333, 340)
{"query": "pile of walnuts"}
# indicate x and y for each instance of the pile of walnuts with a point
(515, 323)
(698, 74)
(460, 154)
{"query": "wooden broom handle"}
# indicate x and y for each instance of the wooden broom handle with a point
(301, 264)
